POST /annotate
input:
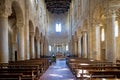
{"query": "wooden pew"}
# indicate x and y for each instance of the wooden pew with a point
(43, 64)
(28, 73)
(79, 66)
(104, 74)
(11, 76)
(83, 70)
(29, 68)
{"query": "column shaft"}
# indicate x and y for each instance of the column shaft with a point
(85, 44)
(4, 56)
(38, 48)
(32, 48)
(79, 47)
(111, 41)
(21, 55)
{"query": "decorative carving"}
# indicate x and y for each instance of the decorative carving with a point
(4, 9)
(32, 34)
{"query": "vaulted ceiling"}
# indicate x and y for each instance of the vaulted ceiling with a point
(58, 6)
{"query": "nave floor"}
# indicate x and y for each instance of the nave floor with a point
(58, 71)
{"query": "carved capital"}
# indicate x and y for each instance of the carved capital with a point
(20, 26)
(5, 11)
(32, 34)
(37, 38)
(111, 11)
(84, 32)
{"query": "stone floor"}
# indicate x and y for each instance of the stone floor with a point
(58, 71)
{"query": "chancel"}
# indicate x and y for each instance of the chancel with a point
(59, 39)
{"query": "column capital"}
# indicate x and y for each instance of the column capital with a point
(32, 34)
(110, 11)
(38, 38)
(84, 31)
(20, 25)
(5, 10)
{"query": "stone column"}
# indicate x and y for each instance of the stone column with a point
(85, 54)
(4, 56)
(118, 47)
(110, 37)
(79, 47)
(21, 55)
(32, 48)
(76, 47)
(98, 49)
(14, 44)
(38, 47)
(72, 45)
(41, 46)
(45, 48)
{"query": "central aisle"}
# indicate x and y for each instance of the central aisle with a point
(58, 71)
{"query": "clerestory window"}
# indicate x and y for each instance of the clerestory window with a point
(58, 27)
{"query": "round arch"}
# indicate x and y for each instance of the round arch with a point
(18, 10)
(16, 22)
(98, 21)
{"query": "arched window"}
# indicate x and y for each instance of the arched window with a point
(66, 47)
(50, 48)
(58, 27)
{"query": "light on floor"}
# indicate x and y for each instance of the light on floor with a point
(56, 75)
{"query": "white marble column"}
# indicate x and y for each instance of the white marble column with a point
(79, 47)
(21, 55)
(110, 38)
(32, 48)
(4, 56)
(85, 54)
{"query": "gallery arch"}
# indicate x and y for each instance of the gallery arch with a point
(16, 33)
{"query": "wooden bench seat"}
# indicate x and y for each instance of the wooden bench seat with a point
(11, 76)
(104, 74)
(81, 67)
(30, 69)
(28, 73)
